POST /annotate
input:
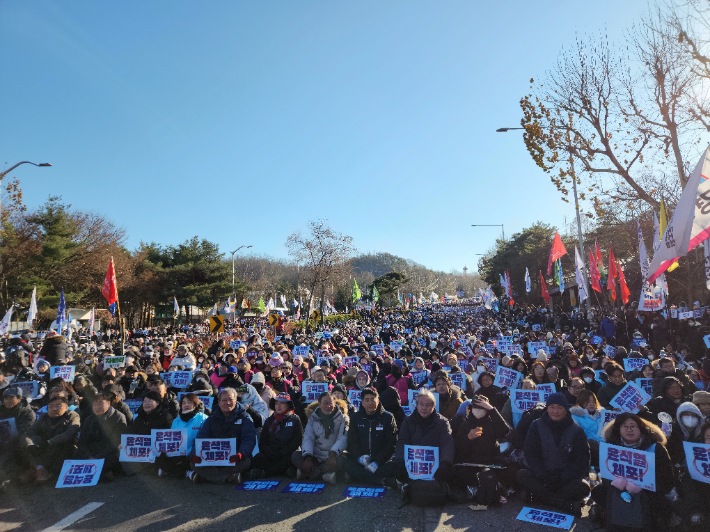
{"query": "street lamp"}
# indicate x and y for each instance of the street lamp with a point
(576, 208)
(502, 230)
(233, 252)
(2, 176)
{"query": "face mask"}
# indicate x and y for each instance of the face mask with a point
(587, 379)
(478, 413)
(690, 421)
(87, 361)
(650, 357)
(200, 360)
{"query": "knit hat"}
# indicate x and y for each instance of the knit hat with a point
(701, 398)
(541, 356)
(557, 399)
(258, 377)
(399, 362)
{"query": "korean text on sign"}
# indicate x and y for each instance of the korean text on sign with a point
(215, 452)
(630, 398)
(507, 378)
(636, 466)
(136, 448)
(168, 441)
(422, 462)
(543, 517)
(80, 473)
(697, 457)
(65, 372)
(312, 390)
(523, 400)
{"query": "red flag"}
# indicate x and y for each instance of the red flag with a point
(558, 249)
(594, 273)
(110, 288)
(509, 289)
(545, 294)
(598, 254)
(612, 264)
(625, 292)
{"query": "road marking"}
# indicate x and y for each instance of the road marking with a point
(73, 518)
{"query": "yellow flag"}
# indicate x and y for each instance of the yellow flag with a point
(663, 222)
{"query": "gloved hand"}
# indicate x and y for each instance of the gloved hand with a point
(307, 466)
(444, 471)
(196, 459)
(364, 460)
(236, 458)
(372, 467)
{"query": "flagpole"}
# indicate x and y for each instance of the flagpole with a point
(121, 325)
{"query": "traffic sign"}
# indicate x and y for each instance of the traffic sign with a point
(315, 315)
(216, 324)
(273, 319)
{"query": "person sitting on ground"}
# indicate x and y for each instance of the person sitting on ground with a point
(100, 436)
(450, 396)
(14, 407)
(191, 418)
(280, 437)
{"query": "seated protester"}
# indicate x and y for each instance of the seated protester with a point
(587, 414)
(87, 393)
(228, 420)
(277, 382)
(574, 387)
(477, 441)
(253, 404)
(201, 384)
(100, 436)
(51, 440)
(133, 383)
(615, 376)
(152, 414)
(590, 380)
(114, 392)
(450, 396)
(666, 368)
(489, 391)
(155, 383)
(668, 401)
(219, 374)
(389, 398)
(419, 366)
(629, 430)
(324, 440)
(258, 382)
(512, 418)
(184, 358)
(372, 438)
(280, 437)
(191, 419)
(339, 392)
(557, 455)
(300, 369)
(319, 375)
(692, 504)
(14, 406)
(468, 382)
(686, 428)
(244, 370)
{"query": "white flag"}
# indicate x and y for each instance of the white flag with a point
(650, 299)
(527, 280)
(5, 323)
(690, 224)
(283, 300)
(176, 308)
(270, 305)
(92, 317)
(32, 313)
(579, 274)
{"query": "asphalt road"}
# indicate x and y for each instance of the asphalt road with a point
(148, 504)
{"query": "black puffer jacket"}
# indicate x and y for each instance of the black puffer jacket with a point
(485, 448)
(101, 435)
(54, 350)
(159, 418)
(279, 439)
(375, 435)
(23, 415)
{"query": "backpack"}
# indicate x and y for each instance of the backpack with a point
(489, 492)
(428, 492)
(16, 357)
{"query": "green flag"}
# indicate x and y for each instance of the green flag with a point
(356, 291)
(375, 294)
(261, 307)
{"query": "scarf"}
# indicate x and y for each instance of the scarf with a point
(187, 416)
(328, 421)
(276, 425)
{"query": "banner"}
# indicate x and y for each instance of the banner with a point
(215, 452)
(636, 466)
(65, 372)
(697, 458)
(136, 448)
(80, 473)
(523, 400)
(507, 378)
(543, 517)
(421, 461)
(312, 390)
(114, 362)
(630, 398)
(172, 442)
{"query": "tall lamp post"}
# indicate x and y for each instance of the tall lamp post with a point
(233, 252)
(576, 208)
(3, 174)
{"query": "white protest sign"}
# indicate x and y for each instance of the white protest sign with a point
(136, 448)
(459, 379)
(172, 442)
(507, 378)
(301, 350)
(312, 390)
(65, 372)
(421, 461)
(630, 364)
(607, 417)
(215, 451)
(180, 379)
(350, 361)
(490, 363)
(418, 376)
(355, 398)
(523, 400)
(630, 398)
(697, 458)
(114, 362)
(636, 466)
(80, 473)
(547, 390)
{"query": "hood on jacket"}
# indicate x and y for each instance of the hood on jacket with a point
(580, 411)
(342, 406)
(667, 381)
(689, 408)
(390, 399)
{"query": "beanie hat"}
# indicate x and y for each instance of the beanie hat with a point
(399, 362)
(12, 391)
(541, 356)
(557, 399)
(701, 398)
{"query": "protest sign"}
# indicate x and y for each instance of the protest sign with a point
(258, 485)
(674, 313)
(490, 347)
(547, 390)
(134, 405)
(421, 461)
(523, 400)
(301, 350)
(8, 428)
(180, 379)
(422, 342)
(367, 368)
(355, 399)
(607, 417)
(412, 397)
(697, 458)
(236, 344)
(303, 487)
(418, 376)
(29, 389)
(206, 400)
(490, 363)
(319, 335)
(407, 331)
(544, 517)
(312, 390)
(396, 346)
(706, 339)
(610, 351)
(465, 365)
(504, 346)
(215, 451)
(536, 327)
(65, 372)
(646, 385)
(379, 349)
(364, 493)
(446, 368)
(76, 473)
(172, 442)
(631, 464)
(350, 361)
(459, 379)
(507, 338)
(534, 347)
(136, 448)
(507, 378)
(114, 362)
(630, 364)
(327, 335)
(630, 398)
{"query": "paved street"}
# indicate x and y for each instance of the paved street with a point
(148, 504)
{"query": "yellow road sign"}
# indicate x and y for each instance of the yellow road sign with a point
(273, 319)
(315, 315)
(216, 324)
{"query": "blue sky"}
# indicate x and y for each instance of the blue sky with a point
(241, 121)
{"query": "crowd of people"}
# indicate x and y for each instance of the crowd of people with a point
(440, 354)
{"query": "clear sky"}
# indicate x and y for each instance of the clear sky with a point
(241, 121)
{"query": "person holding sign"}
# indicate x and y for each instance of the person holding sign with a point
(228, 420)
(191, 418)
(450, 397)
(557, 455)
(615, 374)
(280, 438)
(694, 486)
(625, 503)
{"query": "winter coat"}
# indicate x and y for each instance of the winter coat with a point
(23, 415)
(53, 431)
(389, 399)
(681, 432)
(286, 438)
(125, 410)
(417, 431)
(659, 382)
(485, 448)
(448, 405)
(54, 350)
(402, 385)
(101, 435)
(375, 435)
(589, 423)
(608, 392)
(237, 425)
(314, 441)
(159, 418)
(607, 328)
(252, 398)
(192, 426)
